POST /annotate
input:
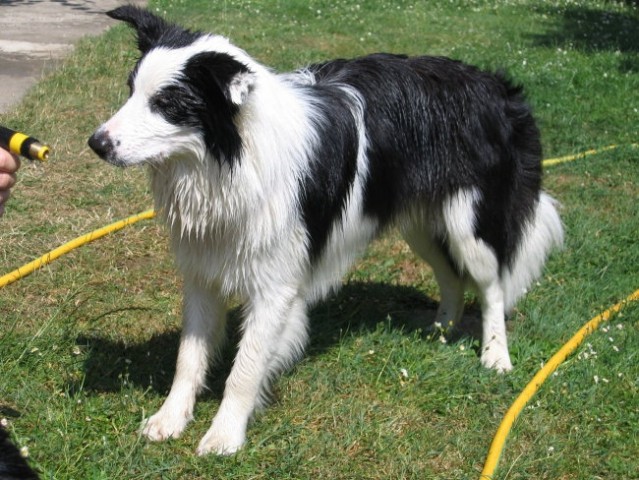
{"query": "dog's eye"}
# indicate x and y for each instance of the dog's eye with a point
(176, 104)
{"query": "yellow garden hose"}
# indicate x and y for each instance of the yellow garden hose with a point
(564, 352)
(569, 158)
(73, 244)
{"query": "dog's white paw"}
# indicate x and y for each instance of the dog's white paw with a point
(496, 358)
(222, 441)
(163, 426)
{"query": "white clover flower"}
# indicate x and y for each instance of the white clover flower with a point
(4, 422)
(24, 452)
(403, 372)
(596, 379)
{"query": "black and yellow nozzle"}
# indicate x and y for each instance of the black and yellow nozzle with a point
(22, 144)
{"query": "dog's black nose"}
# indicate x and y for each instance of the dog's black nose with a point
(100, 142)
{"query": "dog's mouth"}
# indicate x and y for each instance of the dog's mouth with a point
(107, 150)
(117, 162)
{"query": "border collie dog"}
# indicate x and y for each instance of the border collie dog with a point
(271, 185)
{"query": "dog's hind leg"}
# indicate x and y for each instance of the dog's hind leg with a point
(480, 265)
(451, 285)
(203, 332)
(274, 335)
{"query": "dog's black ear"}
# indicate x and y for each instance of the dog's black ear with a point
(234, 79)
(149, 27)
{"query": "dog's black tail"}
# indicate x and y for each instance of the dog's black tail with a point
(13, 466)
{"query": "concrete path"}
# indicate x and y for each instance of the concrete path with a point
(34, 34)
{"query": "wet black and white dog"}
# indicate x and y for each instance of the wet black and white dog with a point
(271, 186)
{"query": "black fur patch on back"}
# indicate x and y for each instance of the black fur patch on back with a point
(436, 126)
(331, 173)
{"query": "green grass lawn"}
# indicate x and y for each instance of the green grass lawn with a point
(88, 344)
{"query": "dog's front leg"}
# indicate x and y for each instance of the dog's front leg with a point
(203, 325)
(274, 334)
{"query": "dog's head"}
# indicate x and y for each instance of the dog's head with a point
(186, 90)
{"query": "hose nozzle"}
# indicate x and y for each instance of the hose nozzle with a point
(24, 145)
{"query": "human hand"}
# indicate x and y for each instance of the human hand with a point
(9, 165)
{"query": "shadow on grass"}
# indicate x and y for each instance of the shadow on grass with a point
(357, 308)
(593, 30)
